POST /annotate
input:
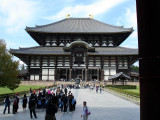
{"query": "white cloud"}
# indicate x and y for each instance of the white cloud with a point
(16, 14)
(21, 62)
(129, 19)
(95, 9)
(131, 45)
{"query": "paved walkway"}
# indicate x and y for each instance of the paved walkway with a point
(103, 106)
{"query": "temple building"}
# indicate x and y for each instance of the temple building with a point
(77, 47)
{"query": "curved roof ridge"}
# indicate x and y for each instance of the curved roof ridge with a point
(113, 25)
(46, 24)
(29, 47)
(127, 47)
(79, 25)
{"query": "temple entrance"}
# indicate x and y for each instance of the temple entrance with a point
(93, 74)
(78, 73)
(83, 74)
(62, 74)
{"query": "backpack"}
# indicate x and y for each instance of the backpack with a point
(39, 102)
(87, 111)
(73, 101)
(32, 102)
(15, 102)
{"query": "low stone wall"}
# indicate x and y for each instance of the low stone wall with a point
(49, 83)
(126, 83)
(41, 83)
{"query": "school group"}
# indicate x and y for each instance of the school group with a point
(44, 99)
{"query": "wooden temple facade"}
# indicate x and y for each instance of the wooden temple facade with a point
(77, 47)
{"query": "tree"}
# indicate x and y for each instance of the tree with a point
(8, 68)
(134, 68)
(22, 67)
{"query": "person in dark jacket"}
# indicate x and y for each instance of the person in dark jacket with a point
(74, 103)
(70, 98)
(15, 104)
(24, 105)
(51, 109)
(32, 104)
(65, 90)
(65, 100)
(7, 104)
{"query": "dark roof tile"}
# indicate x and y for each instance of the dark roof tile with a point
(79, 25)
(59, 50)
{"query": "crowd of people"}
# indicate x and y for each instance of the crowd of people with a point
(61, 100)
(50, 100)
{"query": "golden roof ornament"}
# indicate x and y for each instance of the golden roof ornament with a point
(67, 16)
(91, 16)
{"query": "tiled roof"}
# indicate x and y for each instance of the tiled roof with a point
(115, 51)
(79, 25)
(118, 75)
(59, 51)
(39, 50)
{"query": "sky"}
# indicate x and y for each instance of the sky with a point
(15, 15)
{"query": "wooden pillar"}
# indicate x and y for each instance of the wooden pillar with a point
(98, 74)
(149, 57)
(82, 74)
(73, 73)
(29, 59)
(117, 64)
(40, 74)
(66, 74)
(56, 70)
(86, 74)
(70, 74)
(56, 74)
(102, 74)
(100, 78)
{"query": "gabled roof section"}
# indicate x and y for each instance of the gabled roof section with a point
(39, 50)
(74, 43)
(78, 25)
(119, 75)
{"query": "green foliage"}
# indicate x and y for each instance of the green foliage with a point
(123, 86)
(22, 67)
(8, 69)
(19, 89)
(124, 90)
(135, 68)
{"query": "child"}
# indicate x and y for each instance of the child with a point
(85, 111)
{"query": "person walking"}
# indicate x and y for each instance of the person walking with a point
(15, 104)
(65, 90)
(24, 104)
(96, 89)
(7, 104)
(85, 111)
(32, 104)
(51, 109)
(18, 98)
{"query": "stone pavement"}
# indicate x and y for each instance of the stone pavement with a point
(103, 106)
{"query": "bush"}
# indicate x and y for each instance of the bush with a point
(123, 86)
(121, 89)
